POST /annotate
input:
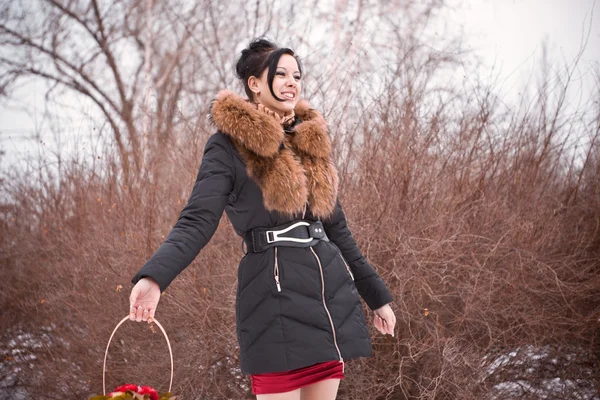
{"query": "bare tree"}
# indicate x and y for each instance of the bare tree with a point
(101, 50)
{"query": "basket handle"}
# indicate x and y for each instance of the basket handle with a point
(109, 340)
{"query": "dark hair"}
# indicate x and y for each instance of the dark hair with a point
(258, 56)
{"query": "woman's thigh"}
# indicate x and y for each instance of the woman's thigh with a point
(324, 390)
(293, 395)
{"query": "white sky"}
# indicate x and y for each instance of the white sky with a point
(509, 35)
(506, 34)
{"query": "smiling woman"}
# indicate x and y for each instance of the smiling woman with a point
(269, 166)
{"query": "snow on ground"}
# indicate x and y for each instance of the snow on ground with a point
(18, 363)
(527, 372)
(555, 388)
(530, 372)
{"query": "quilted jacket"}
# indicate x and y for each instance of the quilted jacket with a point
(295, 306)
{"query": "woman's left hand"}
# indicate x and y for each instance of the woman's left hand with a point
(385, 320)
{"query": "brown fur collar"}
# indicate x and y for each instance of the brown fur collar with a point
(290, 176)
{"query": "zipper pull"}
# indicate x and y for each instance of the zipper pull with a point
(278, 284)
(276, 271)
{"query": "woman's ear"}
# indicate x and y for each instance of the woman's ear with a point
(253, 85)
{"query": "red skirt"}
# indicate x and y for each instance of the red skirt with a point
(281, 382)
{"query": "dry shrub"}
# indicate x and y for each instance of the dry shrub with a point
(70, 252)
(489, 239)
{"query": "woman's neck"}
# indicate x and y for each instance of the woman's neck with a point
(283, 119)
(275, 112)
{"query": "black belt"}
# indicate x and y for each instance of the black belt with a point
(299, 233)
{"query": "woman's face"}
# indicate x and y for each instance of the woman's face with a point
(286, 85)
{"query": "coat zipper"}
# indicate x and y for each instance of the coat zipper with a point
(276, 272)
(347, 266)
(326, 309)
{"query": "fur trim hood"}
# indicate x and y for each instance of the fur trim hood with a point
(292, 169)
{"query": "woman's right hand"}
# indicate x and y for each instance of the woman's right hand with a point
(143, 300)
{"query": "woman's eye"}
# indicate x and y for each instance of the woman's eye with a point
(297, 77)
(280, 73)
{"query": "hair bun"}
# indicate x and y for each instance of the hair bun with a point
(257, 48)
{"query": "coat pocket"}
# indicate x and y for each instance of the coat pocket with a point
(347, 266)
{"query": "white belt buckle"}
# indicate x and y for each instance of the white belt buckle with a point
(276, 234)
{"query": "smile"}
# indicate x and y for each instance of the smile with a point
(289, 95)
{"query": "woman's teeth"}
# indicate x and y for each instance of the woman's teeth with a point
(289, 95)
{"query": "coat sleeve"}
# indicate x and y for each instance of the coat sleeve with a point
(368, 283)
(199, 219)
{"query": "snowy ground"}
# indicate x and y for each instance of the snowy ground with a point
(18, 366)
(524, 373)
(18, 359)
(532, 372)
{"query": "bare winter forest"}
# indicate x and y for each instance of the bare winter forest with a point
(482, 216)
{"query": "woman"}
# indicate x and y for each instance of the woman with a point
(298, 310)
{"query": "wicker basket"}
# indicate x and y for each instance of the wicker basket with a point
(131, 391)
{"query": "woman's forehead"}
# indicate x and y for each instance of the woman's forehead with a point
(288, 62)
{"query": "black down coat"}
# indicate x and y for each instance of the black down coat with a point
(264, 177)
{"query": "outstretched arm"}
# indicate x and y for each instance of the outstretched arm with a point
(199, 219)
